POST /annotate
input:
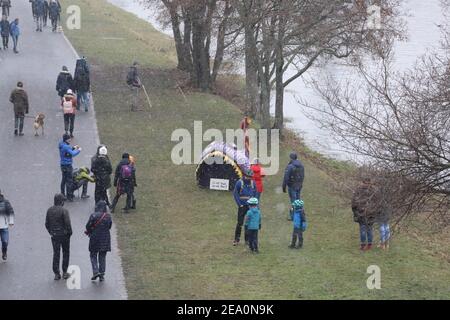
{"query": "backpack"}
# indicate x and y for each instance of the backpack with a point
(296, 175)
(126, 171)
(67, 107)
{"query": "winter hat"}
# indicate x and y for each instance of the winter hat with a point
(64, 68)
(103, 151)
(20, 84)
(293, 156)
(66, 137)
(126, 156)
(69, 91)
(297, 204)
(253, 202)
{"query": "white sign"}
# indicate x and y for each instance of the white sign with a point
(219, 184)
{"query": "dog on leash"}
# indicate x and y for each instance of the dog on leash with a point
(39, 123)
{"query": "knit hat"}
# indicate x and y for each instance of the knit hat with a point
(65, 68)
(253, 201)
(293, 156)
(103, 151)
(297, 204)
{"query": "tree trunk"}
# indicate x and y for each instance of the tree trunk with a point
(220, 43)
(183, 64)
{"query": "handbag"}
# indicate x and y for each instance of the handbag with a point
(88, 233)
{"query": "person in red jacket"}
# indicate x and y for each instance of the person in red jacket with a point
(258, 175)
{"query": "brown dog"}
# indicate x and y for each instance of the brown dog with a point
(39, 123)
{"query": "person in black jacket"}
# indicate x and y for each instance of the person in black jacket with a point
(6, 4)
(54, 13)
(82, 83)
(125, 181)
(102, 169)
(98, 229)
(4, 31)
(57, 223)
(64, 82)
(6, 221)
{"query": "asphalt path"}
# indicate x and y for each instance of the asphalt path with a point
(30, 174)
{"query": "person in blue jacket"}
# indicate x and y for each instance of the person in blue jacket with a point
(14, 30)
(299, 222)
(66, 153)
(253, 224)
(294, 174)
(244, 189)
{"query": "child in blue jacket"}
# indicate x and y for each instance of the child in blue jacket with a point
(253, 224)
(299, 221)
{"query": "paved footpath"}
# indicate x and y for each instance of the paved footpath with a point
(30, 174)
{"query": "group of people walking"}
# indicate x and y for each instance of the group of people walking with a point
(247, 195)
(7, 30)
(43, 10)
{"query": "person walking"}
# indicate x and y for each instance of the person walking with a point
(102, 169)
(299, 222)
(258, 175)
(294, 175)
(39, 11)
(134, 84)
(125, 181)
(64, 82)
(66, 153)
(81, 179)
(98, 229)
(4, 31)
(253, 224)
(14, 31)
(244, 190)
(19, 99)
(82, 84)
(6, 5)
(364, 209)
(46, 8)
(6, 222)
(58, 225)
(69, 107)
(53, 13)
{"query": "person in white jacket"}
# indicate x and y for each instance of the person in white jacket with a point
(6, 221)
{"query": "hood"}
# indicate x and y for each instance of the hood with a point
(124, 161)
(59, 200)
(100, 206)
(256, 168)
(296, 163)
(62, 143)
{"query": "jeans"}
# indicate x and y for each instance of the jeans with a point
(253, 239)
(4, 236)
(39, 23)
(98, 261)
(5, 40)
(297, 235)
(18, 122)
(15, 41)
(365, 233)
(67, 181)
(80, 184)
(242, 211)
(69, 122)
(385, 232)
(83, 98)
(59, 243)
(294, 194)
(54, 23)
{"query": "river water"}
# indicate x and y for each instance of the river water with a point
(422, 18)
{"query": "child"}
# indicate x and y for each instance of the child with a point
(299, 221)
(81, 178)
(253, 224)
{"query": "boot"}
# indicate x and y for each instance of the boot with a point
(362, 247)
(368, 247)
(4, 254)
(16, 132)
(134, 204)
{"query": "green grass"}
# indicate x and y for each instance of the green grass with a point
(178, 243)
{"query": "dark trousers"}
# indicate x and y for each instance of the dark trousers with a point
(98, 261)
(297, 235)
(242, 211)
(15, 41)
(101, 193)
(127, 188)
(67, 181)
(18, 122)
(69, 122)
(80, 184)
(5, 11)
(59, 243)
(54, 23)
(253, 239)
(5, 41)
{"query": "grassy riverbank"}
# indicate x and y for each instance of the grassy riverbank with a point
(178, 243)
